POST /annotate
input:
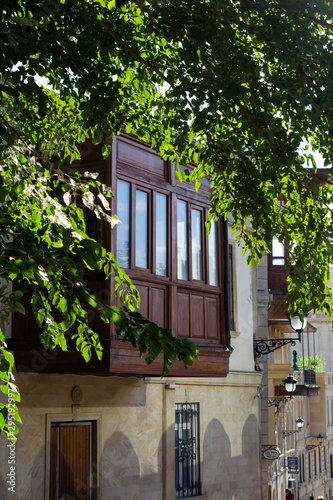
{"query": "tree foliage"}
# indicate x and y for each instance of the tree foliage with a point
(316, 363)
(241, 88)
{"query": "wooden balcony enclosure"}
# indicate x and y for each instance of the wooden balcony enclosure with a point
(192, 307)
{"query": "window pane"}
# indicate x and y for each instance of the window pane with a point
(141, 229)
(182, 272)
(196, 245)
(277, 252)
(212, 250)
(123, 229)
(161, 234)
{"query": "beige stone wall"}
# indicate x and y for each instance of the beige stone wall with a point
(135, 434)
(245, 307)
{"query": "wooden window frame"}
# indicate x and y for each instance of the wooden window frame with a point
(150, 230)
(150, 271)
(232, 287)
(139, 272)
(168, 186)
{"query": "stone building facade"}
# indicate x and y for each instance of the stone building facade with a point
(117, 430)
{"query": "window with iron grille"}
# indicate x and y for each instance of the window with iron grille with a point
(187, 458)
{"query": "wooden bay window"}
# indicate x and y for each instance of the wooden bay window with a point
(163, 240)
(163, 246)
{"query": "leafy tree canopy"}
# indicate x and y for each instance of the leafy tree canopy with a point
(241, 88)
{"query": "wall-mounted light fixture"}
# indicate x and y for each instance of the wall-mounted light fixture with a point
(320, 440)
(266, 346)
(299, 425)
(290, 383)
(297, 324)
(290, 386)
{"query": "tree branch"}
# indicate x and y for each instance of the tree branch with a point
(255, 125)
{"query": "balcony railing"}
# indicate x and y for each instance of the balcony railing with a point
(306, 377)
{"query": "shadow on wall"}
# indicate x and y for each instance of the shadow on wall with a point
(227, 476)
(124, 477)
(120, 470)
(3, 489)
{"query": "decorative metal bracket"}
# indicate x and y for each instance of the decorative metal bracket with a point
(289, 433)
(266, 346)
(311, 446)
(278, 400)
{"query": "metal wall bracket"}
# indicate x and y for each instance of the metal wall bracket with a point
(311, 446)
(289, 433)
(266, 346)
(278, 400)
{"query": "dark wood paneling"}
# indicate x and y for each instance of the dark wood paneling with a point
(192, 309)
(139, 156)
(158, 306)
(144, 299)
(277, 280)
(31, 357)
(198, 315)
(183, 314)
(153, 302)
(212, 318)
(96, 282)
(301, 390)
(69, 465)
(118, 358)
(53, 463)
(205, 182)
(277, 284)
(214, 362)
(277, 275)
(24, 326)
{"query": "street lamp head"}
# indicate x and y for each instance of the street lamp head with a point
(290, 383)
(320, 439)
(299, 423)
(296, 323)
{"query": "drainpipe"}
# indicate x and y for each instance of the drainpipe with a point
(226, 286)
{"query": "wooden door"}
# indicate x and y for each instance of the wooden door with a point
(70, 461)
